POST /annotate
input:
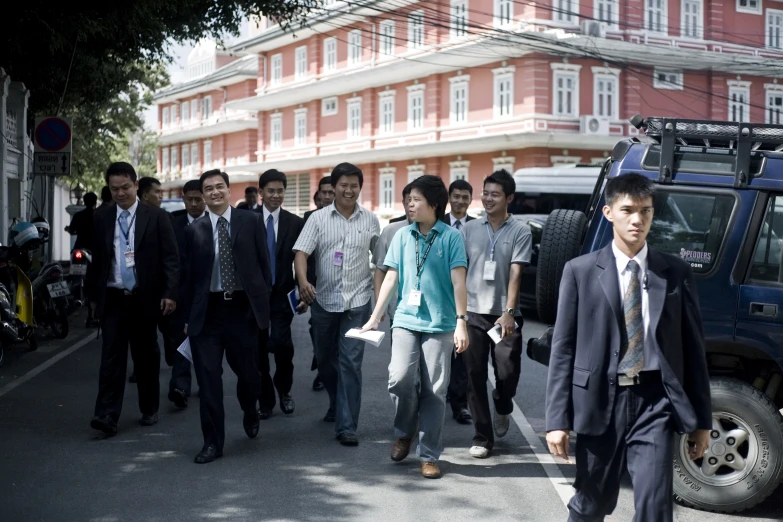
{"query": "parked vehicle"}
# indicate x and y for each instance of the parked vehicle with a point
(173, 206)
(720, 208)
(52, 297)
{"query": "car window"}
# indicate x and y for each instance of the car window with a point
(546, 203)
(691, 226)
(768, 255)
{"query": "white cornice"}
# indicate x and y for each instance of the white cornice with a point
(504, 70)
(606, 70)
(738, 83)
(417, 87)
(566, 67)
(387, 170)
(386, 94)
(459, 79)
(459, 164)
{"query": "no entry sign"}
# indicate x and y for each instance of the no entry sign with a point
(52, 146)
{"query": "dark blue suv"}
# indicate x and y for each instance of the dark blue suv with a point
(720, 207)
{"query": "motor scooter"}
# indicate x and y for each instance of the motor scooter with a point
(16, 304)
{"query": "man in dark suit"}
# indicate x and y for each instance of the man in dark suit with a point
(460, 196)
(251, 199)
(628, 366)
(226, 302)
(180, 382)
(282, 230)
(132, 280)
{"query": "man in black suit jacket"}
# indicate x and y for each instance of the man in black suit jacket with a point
(282, 230)
(628, 366)
(460, 196)
(132, 280)
(226, 303)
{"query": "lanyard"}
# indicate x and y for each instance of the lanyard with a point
(492, 242)
(420, 264)
(126, 233)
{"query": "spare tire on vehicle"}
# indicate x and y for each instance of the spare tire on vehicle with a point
(561, 241)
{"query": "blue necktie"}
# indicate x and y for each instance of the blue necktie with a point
(126, 273)
(271, 244)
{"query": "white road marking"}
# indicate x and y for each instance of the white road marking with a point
(46, 364)
(564, 490)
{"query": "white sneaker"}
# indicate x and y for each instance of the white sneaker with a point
(479, 452)
(501, 425)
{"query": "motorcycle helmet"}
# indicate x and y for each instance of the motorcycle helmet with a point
(43, 227)
(24, 235)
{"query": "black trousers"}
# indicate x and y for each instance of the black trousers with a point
(507, 362)
(639, 437)
(281, 346)
(172, 328)
(457, 392)
(123, 324)
(230, 327)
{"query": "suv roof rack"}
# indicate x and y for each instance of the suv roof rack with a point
(745, 138)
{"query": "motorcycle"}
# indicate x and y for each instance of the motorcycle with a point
(52, 296)
(80, 260)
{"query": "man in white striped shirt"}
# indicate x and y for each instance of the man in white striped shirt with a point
(341, 237)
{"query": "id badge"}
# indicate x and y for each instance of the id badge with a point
(415, 298)
(338, 259)
(130, 259)
(489, 270)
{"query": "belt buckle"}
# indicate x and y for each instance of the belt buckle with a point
(127, 292)
(227, 296)
(624, 380)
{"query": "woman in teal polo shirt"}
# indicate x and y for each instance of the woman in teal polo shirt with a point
(427, 263)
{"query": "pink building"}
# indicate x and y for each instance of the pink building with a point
(463, 87)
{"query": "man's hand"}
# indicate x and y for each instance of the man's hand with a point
(372, 324)
(558, 441)
(301, 307)
(461, 336)
(506, 323)
(307, 292)
(185, 331)
(700, 439)
(168, 306)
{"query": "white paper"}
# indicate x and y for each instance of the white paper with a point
(184, 349)
(495, 333)
(374, 337)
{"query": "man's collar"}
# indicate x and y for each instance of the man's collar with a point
(454, 219)
(439, 225)
(357, 208)
(275, 215)
(622, 260)
(227, 214)
(131, 210)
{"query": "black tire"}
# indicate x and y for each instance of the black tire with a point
(2, 356)
(561, 241)
(729, 490)
(59, 324)
(32, 343)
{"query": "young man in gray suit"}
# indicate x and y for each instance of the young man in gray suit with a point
(628, 367)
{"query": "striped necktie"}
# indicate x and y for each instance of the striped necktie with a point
(632, 361)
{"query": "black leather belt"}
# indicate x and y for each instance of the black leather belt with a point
(644, 377)
(226, 296)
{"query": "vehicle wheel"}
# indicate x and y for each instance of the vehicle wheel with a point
(32, 343)
(744, 462)
(59, 323)
(561, 241)
(2, 356)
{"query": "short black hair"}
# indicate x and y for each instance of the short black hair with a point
(346, 169)
(272, 175)
(636, 186)
(146, 183)
(106, 194)
(504, 179)
(191, 186)
(406, 190)
(460, 184)
(326, 180)
(211, 174)
(91, 199)
(250, 190)
(121, 168)
(434, 191)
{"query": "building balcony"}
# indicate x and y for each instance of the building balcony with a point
(221, 122)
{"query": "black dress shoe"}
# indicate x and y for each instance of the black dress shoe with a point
(208, 454)
(287, 403)
(132, 377)
(318, 385)
(330, 415)
(463, 416)
(149, 420)
(264, 414)
(250, 422)
(105, 424)
(179, 398)
(348, 440)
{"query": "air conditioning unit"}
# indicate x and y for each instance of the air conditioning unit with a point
(594, 126)
(593, 28)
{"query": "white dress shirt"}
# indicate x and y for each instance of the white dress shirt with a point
(217, 285)
(120, 246)
(275, 219)
(463, 221)
(191, 219)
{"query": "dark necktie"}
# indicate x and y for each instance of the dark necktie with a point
(227, 271)
(458, 224)
(633, 360)
(271, 244)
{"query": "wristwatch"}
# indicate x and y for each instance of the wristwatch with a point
(509, 311)
(462, 316)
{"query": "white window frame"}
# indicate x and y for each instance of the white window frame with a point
(503, 102)
(185, 152)
(300, 127)
(354, 127)
(566, 12)
(416, 121)
(355, 47)
(773, 36)
(329, 106)
(416, 29)
(330, 54)
(748, 8)
(206, 107)
(386, 114)
(165, 160)
(503, 13)
(456, 173)
(739, 101)
(184, 112)
(504, 162)
(276, 68)
(194, 154)
(459, 109)
(662, 11)
(207, 159)
(459, 19)
(276, 131)
(565, 72)
(174, 122)
(674, 79)
(166, 118)
(415, 171)
(386, 190)
(386, 40)
(175, 159)
(300, 59)
(772, 92)
(607, 11)
(686, 31)
(610, 76)
(194, 110)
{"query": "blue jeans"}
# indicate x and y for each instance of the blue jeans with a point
(340, 362)
(419, 374)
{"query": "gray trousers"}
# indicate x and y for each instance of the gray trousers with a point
(419, 374)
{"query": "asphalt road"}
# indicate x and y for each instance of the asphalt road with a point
(53, 467)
